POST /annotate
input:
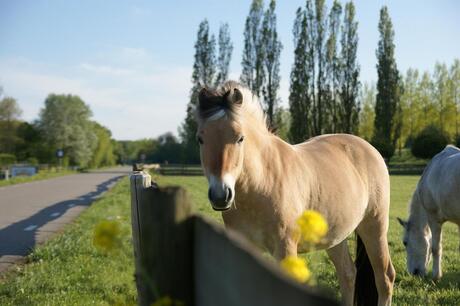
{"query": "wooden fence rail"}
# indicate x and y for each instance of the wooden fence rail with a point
(195, 260)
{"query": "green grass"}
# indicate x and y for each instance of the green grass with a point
(41, 175)
(408, 290)
(68, 270)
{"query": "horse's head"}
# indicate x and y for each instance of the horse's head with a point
(221, 139)
(416, 240)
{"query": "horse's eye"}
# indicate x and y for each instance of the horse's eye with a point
(200, 140)
(240, 140)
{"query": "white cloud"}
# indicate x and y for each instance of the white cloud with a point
(109, 70)
(133, 102)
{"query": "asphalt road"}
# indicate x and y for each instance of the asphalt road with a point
(30, 213)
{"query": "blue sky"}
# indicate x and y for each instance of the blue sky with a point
(131, 60)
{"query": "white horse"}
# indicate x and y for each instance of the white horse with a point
(435, 201)
(263, 184)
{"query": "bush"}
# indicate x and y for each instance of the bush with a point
(32, 161)
(7, 159)
(385, 148)
(429, 142)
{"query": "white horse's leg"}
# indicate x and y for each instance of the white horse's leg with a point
(436, 246)
(346, 270)
(374, 236)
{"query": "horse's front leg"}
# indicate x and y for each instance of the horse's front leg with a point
(285, 247)
(436, 247)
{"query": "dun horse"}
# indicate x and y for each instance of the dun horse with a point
(435, 201)
(263, 184)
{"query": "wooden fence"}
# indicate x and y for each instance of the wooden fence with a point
(194, 260)
(406, 169)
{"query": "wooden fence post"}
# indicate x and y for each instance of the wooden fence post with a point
(163, 241)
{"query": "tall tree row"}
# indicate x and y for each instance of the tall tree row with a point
(260, 62)
(388, 112)
(209, 70)
(325, 75)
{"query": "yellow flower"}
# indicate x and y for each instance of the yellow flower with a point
(164, 301)
(312, 226)
(296, 268)
(167, 301)
(106, 235)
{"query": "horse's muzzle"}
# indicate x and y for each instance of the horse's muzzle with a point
(220, 199)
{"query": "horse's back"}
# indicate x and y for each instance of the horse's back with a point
(440, 185)
(362, 157)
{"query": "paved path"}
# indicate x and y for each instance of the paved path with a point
(31, 212)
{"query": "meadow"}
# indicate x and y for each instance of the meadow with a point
(70, 270)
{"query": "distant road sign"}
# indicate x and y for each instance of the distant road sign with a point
(60, 153)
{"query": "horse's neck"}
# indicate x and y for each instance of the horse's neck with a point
(418, 216)
(261, 162)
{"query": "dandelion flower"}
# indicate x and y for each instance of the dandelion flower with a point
(106, 235)
(312, 226)
(167, 301)
(296, 268)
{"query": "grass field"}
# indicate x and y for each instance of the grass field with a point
(42, 175)
(69, 270)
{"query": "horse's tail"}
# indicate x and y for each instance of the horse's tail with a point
(365, 288)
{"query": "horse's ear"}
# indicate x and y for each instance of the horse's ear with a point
(402, 222)
(234, 96)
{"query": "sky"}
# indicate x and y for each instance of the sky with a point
(131, 61)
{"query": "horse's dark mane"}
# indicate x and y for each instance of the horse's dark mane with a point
(213, 100)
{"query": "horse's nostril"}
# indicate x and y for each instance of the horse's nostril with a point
(228, 194)
(209, 194)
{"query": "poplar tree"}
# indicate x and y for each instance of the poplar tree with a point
(349, 81)
(252, 74)
(334, 67)
(225, 54)
(388, 119)
(317, 24)
(272, 49)
(204, 69)
(299, 96)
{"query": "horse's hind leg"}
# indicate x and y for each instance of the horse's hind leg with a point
(346, 271)
(373, 232)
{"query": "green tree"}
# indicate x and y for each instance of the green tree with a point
(65, 124)
(32, 144)
(202, 75)
(349, 81)
(225, 54)
(367, 114)
(425, 92)
(334, 67)
(300, 100)
(103, 154)
(411, 107)
(271, 63)
(317, 30)
(442, 95)
(454, 75)
(9, 121)
(252, 74)
(388, 118)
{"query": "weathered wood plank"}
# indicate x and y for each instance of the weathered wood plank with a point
(229, 272)
(162, 239)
